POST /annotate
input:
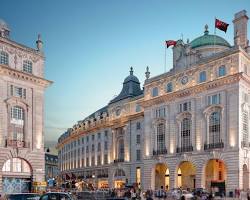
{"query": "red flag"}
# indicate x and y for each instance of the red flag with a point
(170, 43)
(221, 25)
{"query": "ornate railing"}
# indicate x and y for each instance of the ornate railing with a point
(184, 149)
(17, 144)
(218, 145)
(160, 152)
(119, 160)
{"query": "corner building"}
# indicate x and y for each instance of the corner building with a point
(188, 128)
(22, 87)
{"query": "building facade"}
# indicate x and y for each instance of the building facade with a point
(22, 87)
(51, 166)
(187, 128)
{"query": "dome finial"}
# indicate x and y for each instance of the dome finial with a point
(131, 71)
(206, 30)
(147, 73)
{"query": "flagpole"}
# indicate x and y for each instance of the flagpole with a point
(165, 58)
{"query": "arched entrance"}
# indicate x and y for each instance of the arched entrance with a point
(161, 176)
(245, 177)
(186, 175)
(119, 178)
(16, 176)
(215, 175)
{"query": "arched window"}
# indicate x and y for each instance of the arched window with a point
(4, 58)
(17, 123)
(27, 66)
(160, 137)
(222, 71)
(186, 133)
(16, 165)
(214, 128)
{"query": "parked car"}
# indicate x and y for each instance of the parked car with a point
(186, 194)
(57, 196)
(22, 196)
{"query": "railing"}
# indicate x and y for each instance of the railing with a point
(119, 160)
(245, 144)
(184, 149)
(17, 144)
(218, 145)
(160, 152)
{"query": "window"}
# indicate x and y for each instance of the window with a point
(245, 126)
(121, 149)
(99, 135)
(106, 134)
(202, 77)
(137, 108)
(222, 71)
(93, 137)
(4, 58)
(169, 87)
(214, 128)
(186, 133)
(138, 125)
(138, 139)
(160, 137)
(93, 161)
(17, 123)
(98, 160)
(27, 66)
(83, 140)
(87, 138)
(87, 162)
(138, 154)
(214, 99)
(160, 112)
(105, 159)
(138, 176)
(155, 92)
(99, 146)
(87, 149)
(186, 106)
(17, 113)
(17, 92)
(93, 147)
(106, 145)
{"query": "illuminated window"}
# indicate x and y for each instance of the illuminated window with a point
(138, 176)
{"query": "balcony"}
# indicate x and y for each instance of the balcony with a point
(160, 152)
(119, 160)
(17, 144)
(184, 149)
(218, 145)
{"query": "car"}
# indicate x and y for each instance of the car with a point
(57, 196)
(22, 196)
(186, 194)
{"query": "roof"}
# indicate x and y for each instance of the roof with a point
(208, 39)
(131, 88)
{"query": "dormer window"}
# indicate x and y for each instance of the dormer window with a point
(4, 58)
(222, 71)
(27, 66)
(202, 77)
(155, 92)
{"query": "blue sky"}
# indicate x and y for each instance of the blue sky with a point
(90, 45)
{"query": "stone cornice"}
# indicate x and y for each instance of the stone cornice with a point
(5, 70)
(192, 90)
(107, 124)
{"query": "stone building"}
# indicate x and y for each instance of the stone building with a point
(51, 166)
(187, 128)
(22, 87)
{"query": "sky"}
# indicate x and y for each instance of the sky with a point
(90, 45)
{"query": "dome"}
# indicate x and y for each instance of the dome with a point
(207, 40)
(131, 88)
(3, 25)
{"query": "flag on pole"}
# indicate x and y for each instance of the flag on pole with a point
(170, 43)
(221, 25)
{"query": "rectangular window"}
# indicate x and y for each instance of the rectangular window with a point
(138, 154)
(93, 161)
(87, 138)
(87, 149)
(155, 92)
(106, 145)
(98, 160)
(214, 99)
(186, 106)
(222, 71)
(99, 147)
(138, 125)
(27, 66)
(138, 139)
(93, 147)
(93, 137)
(202, 77)
(99, 135)
(160, 112)
(83, 140)
(17, 92)
(87, 162)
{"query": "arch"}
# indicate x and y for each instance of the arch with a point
(119, 178)
(215, 174)
(245, 177)
(186, 175)
(17, 164)
(161, 176)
